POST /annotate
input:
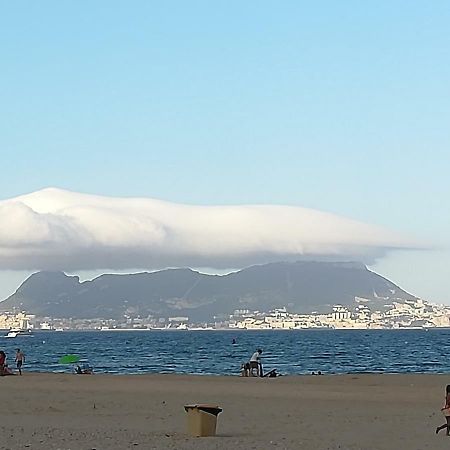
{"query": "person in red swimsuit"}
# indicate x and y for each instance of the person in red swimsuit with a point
(2, 362)
(446, 411)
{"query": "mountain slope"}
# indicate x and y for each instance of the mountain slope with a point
(302, 286)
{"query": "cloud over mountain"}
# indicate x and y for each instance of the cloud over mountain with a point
(53, 229)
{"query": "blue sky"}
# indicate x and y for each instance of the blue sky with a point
(339, 106)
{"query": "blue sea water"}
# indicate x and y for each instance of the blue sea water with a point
(212, 352)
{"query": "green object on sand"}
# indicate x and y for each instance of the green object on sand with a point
(68, 359)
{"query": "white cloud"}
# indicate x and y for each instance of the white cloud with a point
(53, 229)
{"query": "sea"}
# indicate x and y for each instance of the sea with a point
(222, 352)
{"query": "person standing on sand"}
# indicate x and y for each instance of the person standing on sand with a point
(255, 363)
(446, 411)
(20, 359)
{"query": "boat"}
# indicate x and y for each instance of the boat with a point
(166, 327)
(45, 326)
(14, 332)
(200, 328)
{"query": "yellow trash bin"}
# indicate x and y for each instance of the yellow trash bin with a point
(202, 419)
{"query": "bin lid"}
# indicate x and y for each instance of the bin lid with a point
(211, 409)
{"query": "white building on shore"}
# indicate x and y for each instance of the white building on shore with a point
(402, 314)
(15, 320)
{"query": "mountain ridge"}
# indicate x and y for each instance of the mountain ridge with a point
(301, 286)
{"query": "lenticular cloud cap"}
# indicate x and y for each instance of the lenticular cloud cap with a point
(54, 229)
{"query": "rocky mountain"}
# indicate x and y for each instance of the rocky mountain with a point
(301, 286)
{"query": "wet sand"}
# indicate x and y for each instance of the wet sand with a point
(55, 411)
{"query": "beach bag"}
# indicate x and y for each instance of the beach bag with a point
(446, 412)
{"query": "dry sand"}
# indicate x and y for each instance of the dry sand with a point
(54, 411)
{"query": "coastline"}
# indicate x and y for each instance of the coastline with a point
(364, 411)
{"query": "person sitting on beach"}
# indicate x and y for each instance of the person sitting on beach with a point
(446, 411)
(87, 369)
(7, 370)
(255, 363)
(2, 362)
(245, 369)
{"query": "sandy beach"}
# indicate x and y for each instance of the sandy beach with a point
(56, 411)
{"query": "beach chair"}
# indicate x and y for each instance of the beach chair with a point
(271, 374)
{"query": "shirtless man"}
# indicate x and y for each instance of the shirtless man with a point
(20, 359)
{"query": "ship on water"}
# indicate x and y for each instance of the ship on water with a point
(15, 332)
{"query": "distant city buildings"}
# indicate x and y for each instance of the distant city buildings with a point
(406, 314)
(15, 320)
(398, 315)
